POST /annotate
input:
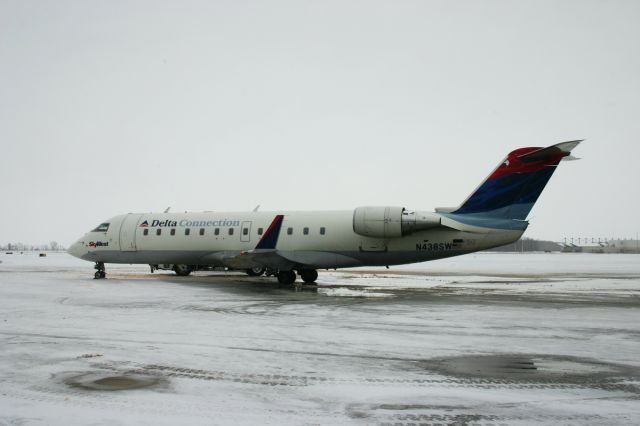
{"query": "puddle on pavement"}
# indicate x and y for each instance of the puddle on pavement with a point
(550, 368)
(107, 382)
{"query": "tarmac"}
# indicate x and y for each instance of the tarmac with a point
(485, 339)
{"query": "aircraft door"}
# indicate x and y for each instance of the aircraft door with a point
(128, 232)
(245, 232)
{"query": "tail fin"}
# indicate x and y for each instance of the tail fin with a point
(513, 187)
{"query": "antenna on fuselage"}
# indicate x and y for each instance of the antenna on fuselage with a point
(256, 209)
(167, 209)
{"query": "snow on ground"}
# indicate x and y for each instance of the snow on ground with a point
(481, 339)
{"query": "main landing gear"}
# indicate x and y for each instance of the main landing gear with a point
(286, 277)
(309, 276)
(100, 272)
(256, 271)
(182, 270)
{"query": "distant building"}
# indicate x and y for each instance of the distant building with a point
(607, 246)
(573, 245)
(529, 244)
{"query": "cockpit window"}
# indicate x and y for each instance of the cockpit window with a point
(103, 227)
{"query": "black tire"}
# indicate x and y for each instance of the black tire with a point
(286, 277)
(182, 270)
(103, 274)
(255, 272)
(309, 275)
(97, 275)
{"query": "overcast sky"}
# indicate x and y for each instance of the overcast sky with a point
(133, 106)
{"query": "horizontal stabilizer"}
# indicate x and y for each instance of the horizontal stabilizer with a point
(550, 152)
(446, 209)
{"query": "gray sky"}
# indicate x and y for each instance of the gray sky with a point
(115, 107)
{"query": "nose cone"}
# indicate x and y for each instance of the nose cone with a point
(77, 249)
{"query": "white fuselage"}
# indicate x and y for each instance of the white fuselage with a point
(318, 240)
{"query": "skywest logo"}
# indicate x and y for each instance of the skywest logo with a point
(94, 244)
(187, 222)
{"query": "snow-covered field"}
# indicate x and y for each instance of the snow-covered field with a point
(483, 339)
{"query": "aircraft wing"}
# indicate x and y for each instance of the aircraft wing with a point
(263, 258)
(264, 254)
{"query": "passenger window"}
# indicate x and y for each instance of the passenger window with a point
(260, 231)
(305, 230)
(245, 231)
(289, 231)
(187, 231)
(145, 232)
(201, 231)
(173, 231)
(217, 231)
(158, 231)
(230, 231)
(322, 230)
(103, 227)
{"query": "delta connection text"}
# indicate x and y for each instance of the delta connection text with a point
(187, 222)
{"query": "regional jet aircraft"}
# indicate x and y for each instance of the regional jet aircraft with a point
(288, 244)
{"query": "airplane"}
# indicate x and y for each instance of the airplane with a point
(288, 244)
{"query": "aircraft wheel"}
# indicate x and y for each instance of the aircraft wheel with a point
(255, 272)
(100, 273)
(182, 270)
(286, 277)
(309, 275)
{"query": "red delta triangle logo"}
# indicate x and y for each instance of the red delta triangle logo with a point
(144, 224)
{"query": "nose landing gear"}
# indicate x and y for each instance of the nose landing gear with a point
(100, 271)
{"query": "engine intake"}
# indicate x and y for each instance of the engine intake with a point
(391, 222)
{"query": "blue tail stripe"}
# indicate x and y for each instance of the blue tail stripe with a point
(522, 189)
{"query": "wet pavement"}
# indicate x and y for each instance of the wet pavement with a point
(541, 344)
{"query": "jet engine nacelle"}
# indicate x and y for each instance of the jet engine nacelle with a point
(391, 222)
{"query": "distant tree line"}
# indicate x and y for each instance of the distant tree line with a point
(529, 244)
(52, 246)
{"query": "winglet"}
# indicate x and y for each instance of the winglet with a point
(270, 238)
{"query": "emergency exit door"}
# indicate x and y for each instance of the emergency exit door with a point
(245, 232)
